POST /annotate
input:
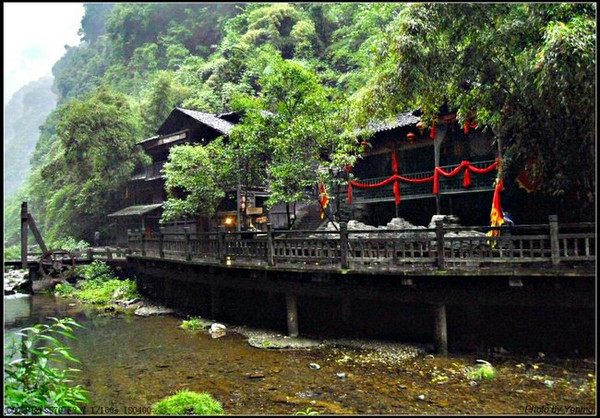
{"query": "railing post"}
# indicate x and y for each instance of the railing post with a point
(344, 245)
(221, 237)
(554, 243)
(108, 253)
(270, 246)
(129, 239)
(188, 243)
(142, 242)
(161, 242)
(439, 238)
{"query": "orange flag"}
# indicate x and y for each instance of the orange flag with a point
(323, 199)
(496, 217)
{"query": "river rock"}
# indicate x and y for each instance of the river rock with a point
(151, 310)
(217, 330)
(17, 281)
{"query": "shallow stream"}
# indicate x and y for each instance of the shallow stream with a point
(129, 363)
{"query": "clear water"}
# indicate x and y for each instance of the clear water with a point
(129, 363)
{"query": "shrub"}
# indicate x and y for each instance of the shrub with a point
(64, 289)
(31, 385)
(186, 402)
(97, 271)
(192, 324)
(69, 244)
(93, 291)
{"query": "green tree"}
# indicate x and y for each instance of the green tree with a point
(195, 180)
(296, 128)
(524, 71)
(88, 166)
(163, 93)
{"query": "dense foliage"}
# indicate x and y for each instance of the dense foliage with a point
(36, 378)
(305, 75)
(525, 71)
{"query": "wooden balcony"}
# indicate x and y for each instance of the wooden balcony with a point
(409, 191)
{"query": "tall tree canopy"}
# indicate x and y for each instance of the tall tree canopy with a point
(525, 71)
(88, 167)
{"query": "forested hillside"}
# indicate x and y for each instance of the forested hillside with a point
(528, 70)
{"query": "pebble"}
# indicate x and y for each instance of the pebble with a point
(421, 397)
(341, 375)
(314, 366)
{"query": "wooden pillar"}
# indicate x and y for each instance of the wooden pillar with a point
(554, 243)
(291, 305)
(221, 244)
(24, 220)
(439, 244)
(188, 243)
(440, 134)
(215, 301)
(161, 242)
(440, 330)
(270, 246)
(344, 245)
(143, 242)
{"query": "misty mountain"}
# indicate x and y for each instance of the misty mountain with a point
(26, 110)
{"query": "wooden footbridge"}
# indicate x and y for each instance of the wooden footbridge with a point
(545, 266)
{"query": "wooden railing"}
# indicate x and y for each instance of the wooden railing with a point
(546, 246)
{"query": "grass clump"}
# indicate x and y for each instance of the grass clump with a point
(186, 402)
(99, 285)
(192, 324)
(484, 371)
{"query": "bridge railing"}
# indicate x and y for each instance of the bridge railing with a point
(442, 247)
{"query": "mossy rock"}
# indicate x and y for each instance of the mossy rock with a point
(186, 402)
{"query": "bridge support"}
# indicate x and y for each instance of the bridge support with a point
(168, 291)
(292, 314)
(440, 330)
(215, 301)
(347, 311)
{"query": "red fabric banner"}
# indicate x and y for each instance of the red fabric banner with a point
(435, 178)
(397, 192)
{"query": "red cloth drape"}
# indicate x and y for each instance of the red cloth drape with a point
(466, 165)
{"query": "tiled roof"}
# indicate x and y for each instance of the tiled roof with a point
(402, 120)
(210, 120)
(136, 210)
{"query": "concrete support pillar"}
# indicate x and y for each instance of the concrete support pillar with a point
(215, 301)
(291, 305)
(168, 291)
(440, 329)
(347, 311)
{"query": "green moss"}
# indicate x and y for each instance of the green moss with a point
(192, 324)
(483, 371)
(186, 402)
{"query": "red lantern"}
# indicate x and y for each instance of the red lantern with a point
(411, 137)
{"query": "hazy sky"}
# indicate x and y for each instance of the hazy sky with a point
(35, 35)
